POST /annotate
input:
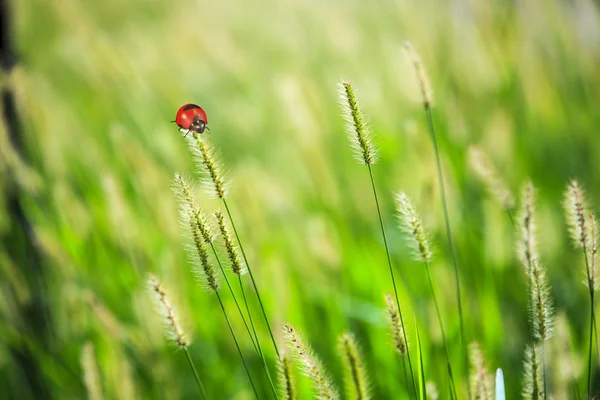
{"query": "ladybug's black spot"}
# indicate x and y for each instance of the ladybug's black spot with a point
(190, 106)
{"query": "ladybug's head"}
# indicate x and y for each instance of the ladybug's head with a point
(198, 125)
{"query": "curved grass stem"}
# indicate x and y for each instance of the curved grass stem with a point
(193, 368)
(389, 260)
(237, 345)
(251, 276)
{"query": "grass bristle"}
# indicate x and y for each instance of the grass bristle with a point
(355, 377)
(411, 225)
(356, 126)
(311, 365)
(173, 327)
(396, 328)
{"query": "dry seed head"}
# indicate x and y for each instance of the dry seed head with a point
(234, 258)
(575, 209)
(424, 84)
(287, 381)
(355, 379)
(311, 365)
(483, 167)
(174, 330)
(411, 225)
(356, 126)
(481, 386)
(190, 212)
(533, 387)
(91, 376)
(396, 327)
(527, 245)
(211, 172)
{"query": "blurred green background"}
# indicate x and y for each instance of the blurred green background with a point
(97, 86)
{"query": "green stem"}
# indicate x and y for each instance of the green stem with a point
(233, 295)
(389, 260)
(251, 276)
(439, 316)
(193, 367)
(449, 235)
(592, 319)
(236, 344)
(259, 349)
(255, 343)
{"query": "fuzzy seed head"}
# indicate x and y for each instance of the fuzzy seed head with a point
(355, 379)
(311, 365)
(190, 212)
(421, 74)
(396, 328)
(287, 381)
(576, 211)
(234, 258)
(540, 306)
(173, 327)
(485, 170)
(481, 386)
(356, 126)
(91, 375)
(527, 244)
(210, 170)
(533, 386)
(411, 225)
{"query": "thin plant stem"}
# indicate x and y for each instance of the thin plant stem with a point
(592, 319)
(255, 343)
(193, 367)
(449, 235)
(237, 344)
(233, 295)
(258, 349)
(405, 374)
(544, 369)
(439, 316)
(389, 260)
(251, 276)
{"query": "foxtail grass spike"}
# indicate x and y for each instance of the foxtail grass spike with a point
(287, 381)
(356, 126)
(541, 308)
(396, 326)
(532, 381)
(487, 173)
(593, 253)
(91, 375)
(234, 258)
(411, 225)
(527, 244)
(480, 378)
(211, 171)
(355, 378)
(189, 209)
(173, 326)
(311, 365)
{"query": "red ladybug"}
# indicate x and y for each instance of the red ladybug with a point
(191, 117)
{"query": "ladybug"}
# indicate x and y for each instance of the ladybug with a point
(191, 117)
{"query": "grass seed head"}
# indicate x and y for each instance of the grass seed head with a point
(164, 307)
(311, 365)
(355, 379)
(527, 244)
(576, 212)
(234, 258)
(411, 225)
(356, 126)
(480, 378)
(190, 212)
(287, 381)
(533, 388)
(396, 328)
(210, 169)
(592, 278)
